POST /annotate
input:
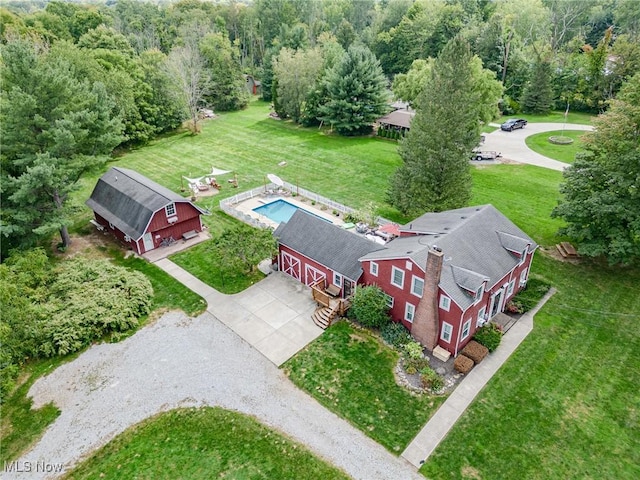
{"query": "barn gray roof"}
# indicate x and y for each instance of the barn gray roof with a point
(128, 200)
(327, 244)
(478, 243)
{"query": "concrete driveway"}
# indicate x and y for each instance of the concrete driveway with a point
(513, 147)
(273, 316)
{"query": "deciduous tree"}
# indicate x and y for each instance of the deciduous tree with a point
(601, 203)
(296, 73)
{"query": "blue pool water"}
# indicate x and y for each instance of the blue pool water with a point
(281, 211)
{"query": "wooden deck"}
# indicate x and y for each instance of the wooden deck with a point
(329, 304)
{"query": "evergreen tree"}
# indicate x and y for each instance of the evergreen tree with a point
(538, 94)
(357, 95)
(435, 173)
(56, 125)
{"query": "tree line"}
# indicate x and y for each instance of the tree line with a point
(80, 80)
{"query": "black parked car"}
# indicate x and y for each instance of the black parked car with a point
(513, 124)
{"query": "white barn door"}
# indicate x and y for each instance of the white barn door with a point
(291, 265)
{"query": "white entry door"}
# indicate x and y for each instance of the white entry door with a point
(312, 275)
(291, 265)
(147, 240)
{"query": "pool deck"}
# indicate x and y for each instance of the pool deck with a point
(248, 205)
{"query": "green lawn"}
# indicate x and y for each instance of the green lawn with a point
(248, 142)
(204, 443)
(553, 117)
(566, 403)
(524, 193)
(20, 425)
(350, 372)
(564, 153)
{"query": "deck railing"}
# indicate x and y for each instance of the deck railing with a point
(341, 305)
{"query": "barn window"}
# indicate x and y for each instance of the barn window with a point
(409, 312)
(417, 286)
(445, 302)
(397, 277)
(170, 210)
(389, 300)
(447, 330)
(373, 269)
(466, 328)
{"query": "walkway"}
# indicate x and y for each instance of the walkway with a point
(273, 316)
(450, 411)
(513, 147)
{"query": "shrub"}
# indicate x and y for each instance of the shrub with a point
(430, 379)
(529, 296)
(463, 364)
(414, 365)
(475, 351)
(488, 335)
(414, 350)
(395, 334)
(369, 307)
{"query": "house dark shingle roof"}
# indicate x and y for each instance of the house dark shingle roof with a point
(128, 200)
(325, 243)
(478, 242)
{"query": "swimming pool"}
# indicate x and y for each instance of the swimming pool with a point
(281, 211)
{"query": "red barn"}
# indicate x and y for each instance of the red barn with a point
(140, 212)
(447, 274)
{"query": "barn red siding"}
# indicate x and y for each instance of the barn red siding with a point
(401, 296)
(117, 233)
(305, 262)
(184, 212)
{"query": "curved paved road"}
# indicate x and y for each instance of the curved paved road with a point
(513, 147)
(180, 361)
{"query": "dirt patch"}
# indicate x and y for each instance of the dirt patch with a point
(470, 472)
(94, 245)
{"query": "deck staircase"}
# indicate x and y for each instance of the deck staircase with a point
(323, 316)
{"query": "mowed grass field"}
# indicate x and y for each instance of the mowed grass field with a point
(203, 443)
(566, 404)
(565, 153)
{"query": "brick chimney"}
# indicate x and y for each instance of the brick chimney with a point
(426, 325)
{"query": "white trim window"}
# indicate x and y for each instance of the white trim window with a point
(466, 329)
(111, 226)
(337, 279)
(479, 294)
(445, 303)
(170, 210)
(409, 312)
(127, 238)
(523, 277)
(481, 314)
(447, 332)
(417, 286)
(389, 300)
(373, 268)
(510, 288)
(407, 265)
(397, 277)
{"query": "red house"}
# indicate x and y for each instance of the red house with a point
(447, 274)
(140, 212)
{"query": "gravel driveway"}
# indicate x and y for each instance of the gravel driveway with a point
(180, 362)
